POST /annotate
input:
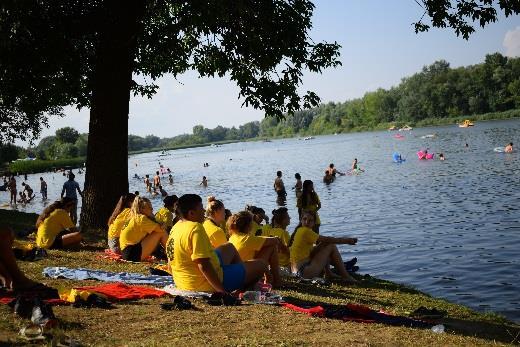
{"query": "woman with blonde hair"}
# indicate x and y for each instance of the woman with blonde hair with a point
(141, 236)
(250, 246)
(215, 216)
(55, 228)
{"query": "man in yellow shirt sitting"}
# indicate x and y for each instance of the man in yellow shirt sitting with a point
(195, 265)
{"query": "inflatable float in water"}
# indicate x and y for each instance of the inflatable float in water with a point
(397, 158)
(423, 155)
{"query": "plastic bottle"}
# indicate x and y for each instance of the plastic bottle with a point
(252, 296)
(439, 328)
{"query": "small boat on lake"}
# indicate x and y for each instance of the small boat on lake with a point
(406, 128)
(309, 138)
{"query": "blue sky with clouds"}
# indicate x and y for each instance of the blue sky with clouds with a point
(379, 47)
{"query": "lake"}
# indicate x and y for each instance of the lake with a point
(449, 228)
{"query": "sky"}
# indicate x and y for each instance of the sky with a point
(379, 48)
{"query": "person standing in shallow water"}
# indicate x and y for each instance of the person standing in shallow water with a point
(12, 189)
(156, 180)
(279, 188)
(69, 191)
(43, 188)
(299, 185)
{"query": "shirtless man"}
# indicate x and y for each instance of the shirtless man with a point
(147, 183)
(156, 180)
(509, 148)
(12, 188)
(332, 171)
(278, 185)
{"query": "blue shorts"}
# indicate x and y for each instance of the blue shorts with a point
(234, 275)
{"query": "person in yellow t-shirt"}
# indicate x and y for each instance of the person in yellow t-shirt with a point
(195, 265)
(165, 214)
(280, 221)
(55, 228)
(250, 246)
(215, 215)
(312, 253)
(309, 201)
(259, 216)
(118, 220)
(142, 235)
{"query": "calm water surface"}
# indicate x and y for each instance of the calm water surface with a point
(448, 228)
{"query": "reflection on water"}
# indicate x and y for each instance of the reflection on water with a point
(449, 228)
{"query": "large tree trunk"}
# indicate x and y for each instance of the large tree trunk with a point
(107, 153)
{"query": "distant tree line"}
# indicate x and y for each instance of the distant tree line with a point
(436, 92)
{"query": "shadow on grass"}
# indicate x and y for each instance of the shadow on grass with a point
(368, 281)
(506, 333)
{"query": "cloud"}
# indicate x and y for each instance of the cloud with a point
(512, 42)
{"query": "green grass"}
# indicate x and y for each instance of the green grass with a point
(35, 166)
(144, 323)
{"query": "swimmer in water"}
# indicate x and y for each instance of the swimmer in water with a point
(170, 179)
(354, 165)
(204, 182)
(147, 183)
(441, 156)
(509, 148)
(328, 178)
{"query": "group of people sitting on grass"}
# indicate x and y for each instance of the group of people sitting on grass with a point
(210, 249)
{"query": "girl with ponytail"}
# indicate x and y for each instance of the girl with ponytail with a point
(215, 216)
(55, 228)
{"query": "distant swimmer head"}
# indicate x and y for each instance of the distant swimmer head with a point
(297, 176)
(331, 166)
(278, 173)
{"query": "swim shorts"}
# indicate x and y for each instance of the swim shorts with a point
(234, 274)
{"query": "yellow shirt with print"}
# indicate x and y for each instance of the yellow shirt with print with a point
(216, 235)
(283, 235)
(303, 241)
(164, 217)
(247, 245)
(190, 242)
(114, 229)
(57, 221)
(136, 230)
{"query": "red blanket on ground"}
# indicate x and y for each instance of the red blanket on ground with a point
(120, 291)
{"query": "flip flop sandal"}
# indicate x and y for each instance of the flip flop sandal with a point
(32, 332)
